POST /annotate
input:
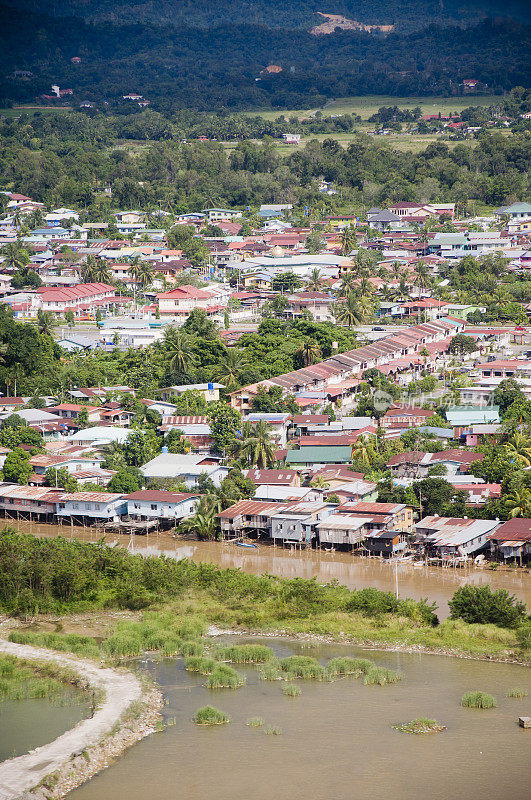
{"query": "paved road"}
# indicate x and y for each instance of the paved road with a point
(20, 774)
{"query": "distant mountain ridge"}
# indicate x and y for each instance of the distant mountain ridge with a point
(404, 15)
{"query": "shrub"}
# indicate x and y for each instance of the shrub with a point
(479, 604)
(273, 730)
(243, 653)
(523, 636)
(224, 677)
(290, 690)
(208, 715)
(190, 648)
(380, 676)
(200, 664)
(478, 700)
(302, 667)
(519, 694)
(419, 725)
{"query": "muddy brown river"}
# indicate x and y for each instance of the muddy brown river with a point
(435, 583)
(336, 740)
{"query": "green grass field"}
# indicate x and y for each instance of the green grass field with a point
(367, 106)
(17, 111)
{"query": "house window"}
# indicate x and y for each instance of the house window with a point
(97, 506)
(137, 506)
(153, 507)
(88, 506)
(74, 505)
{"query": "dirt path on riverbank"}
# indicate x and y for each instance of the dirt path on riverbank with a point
(69, 759)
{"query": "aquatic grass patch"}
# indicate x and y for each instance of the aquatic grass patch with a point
(478, 700)
(270, 671)
(290, 690)
(519, 694)
(202, 664)
(302, 667)
(344, 665)
(225, 677)
(27, 680)
(419, 725)
(255, 722)
(63, 642)
(380, 676)
(273, 730)
(208, 715)
(189, 648)
(243, 653)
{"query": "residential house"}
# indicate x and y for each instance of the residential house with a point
(384, 543)
(184, 468)
(278, 424)
(297, 523)
(395, 516)
(449, 538)
(273, 477)
(172, 507)
(512, 539)
(92, 506)
(318, 456)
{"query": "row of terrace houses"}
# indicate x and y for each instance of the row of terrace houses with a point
(337, 372)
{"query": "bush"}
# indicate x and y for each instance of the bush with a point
(523, 636)
(224, 677)
(343, 666)
(270, 671)
(479, 604)
(255, 722)
(208, 715)
(302, 667)
(478, 700)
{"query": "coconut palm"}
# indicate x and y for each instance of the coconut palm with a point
(363, 451)
(349, 313)
(519, 503)
(348, 240)
(46, 322)
(422, 278)
(519, 449)
(15, 255)
(365, 287)
(141, 272)
(319, 482)
(180, 350)
(310, 352)
(88, 271)
(348, 283)
(231, 366)
(257, 448)
(203, 524)
(315, 280)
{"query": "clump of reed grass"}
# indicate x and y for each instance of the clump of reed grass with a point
(160, 631)
(208, 715)
(64, 643)
(343, 665)
(224, 677)
(25, 680)
(255, 722)
(201, 664)
(380, 676)
(290, 690)
(270, 671)
(189, 648)
(478, 700)
(243, 653)
(519, 694)
(419, 725)
(302, 667)
(273, 730)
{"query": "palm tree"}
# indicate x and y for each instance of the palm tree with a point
(349, 313)
(231, 366)
(257, 447)
(310, 352)
(203, 524)
(363, 451)
(348, 283)
(88, 271)
(519, 503)
(15, 255)
(422, 278)
(315, 279)
(46, 322)
(179, 349)
(348, 240)
(141, 272)
(519, 448)
(319, 482)
(365, 287)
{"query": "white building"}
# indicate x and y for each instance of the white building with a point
(153, 504)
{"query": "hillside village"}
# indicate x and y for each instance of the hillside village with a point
(405, 436)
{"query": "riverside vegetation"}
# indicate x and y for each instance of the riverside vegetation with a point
(179, 599)
(28, 680)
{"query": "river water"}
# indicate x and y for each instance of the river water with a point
(26, 724)
(337, 742)
(435, 583)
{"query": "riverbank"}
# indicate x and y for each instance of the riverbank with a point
(129, 711)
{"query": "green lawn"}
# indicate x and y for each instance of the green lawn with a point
(367, 106)
(17, 111)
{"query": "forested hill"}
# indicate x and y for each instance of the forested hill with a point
(179, 66)
(406, 15)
